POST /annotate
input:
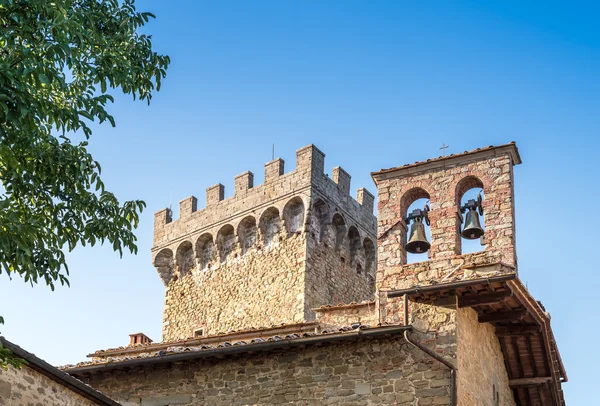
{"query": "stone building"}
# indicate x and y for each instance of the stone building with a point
(291, 292)
(39, 383)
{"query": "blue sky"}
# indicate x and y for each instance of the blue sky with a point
(373, 85)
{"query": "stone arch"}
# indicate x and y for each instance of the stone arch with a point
(319, 219)
(410, 197)
(163, 262)
(270, 224)
(465, 184)
(293, 215)
(339, 227)
(369, 250)
(205, 250)
(354, 241)
(462, 187)
(247, 233)
(354, 244)
(184, 258)
(225, 242)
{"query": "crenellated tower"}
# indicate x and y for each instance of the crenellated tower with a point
(267, 255)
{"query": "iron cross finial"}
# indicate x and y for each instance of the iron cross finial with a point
(443, 148)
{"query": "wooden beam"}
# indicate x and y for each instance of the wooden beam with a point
(486, 298)
(448, 302)
(501, 316)
(506, 331)
(522, 382)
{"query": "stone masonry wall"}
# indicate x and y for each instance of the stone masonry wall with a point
(383, 371)
(28, 387)
(267, 255)
(482, 379)
(264, 287)
(444, 185)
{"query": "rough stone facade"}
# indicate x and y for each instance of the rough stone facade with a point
(482, 380)
(28, 387)
(380, 371)
(267, 255)
(290, 250)
(444, 185)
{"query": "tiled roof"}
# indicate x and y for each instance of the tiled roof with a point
(256, 344)
(442, 158)
(236, 335)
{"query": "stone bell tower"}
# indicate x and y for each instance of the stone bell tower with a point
(267, 255)
(444, 181)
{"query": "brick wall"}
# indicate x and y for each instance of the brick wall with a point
(444, 182)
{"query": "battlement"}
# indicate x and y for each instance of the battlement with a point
(278, 188)
(270, 253)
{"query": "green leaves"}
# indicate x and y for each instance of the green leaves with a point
(53, 56)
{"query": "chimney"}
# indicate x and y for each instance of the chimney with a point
(139, 338)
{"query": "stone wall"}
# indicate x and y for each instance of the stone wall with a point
(262, 287)
(339, 316)
(268, 254)
(444, 183)
(482, 379)
(28, 387)
(379, 371)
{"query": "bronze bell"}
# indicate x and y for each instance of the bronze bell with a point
(472, 229)
(417, 241)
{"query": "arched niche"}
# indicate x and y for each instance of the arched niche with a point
(415, 198)
(225, 242)
(369, 250)
(339, 228)
(270, 224)
(163, 262)
(293, 215)
(470, 187)
(247, 233)
(319, 219)
(185, 258)
(354, 241)
(205, 250)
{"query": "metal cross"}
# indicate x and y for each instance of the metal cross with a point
(443, 148)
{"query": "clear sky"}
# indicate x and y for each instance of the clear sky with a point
(373, 84)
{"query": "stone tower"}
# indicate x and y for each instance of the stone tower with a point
(267, 255)
(444, 181)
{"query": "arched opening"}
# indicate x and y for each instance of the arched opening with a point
(205, 248)
(369, 250)
(185, 258)
(293, 215)
(225, 242)
(339, 227)
(270, 224)
(163, 262)
(414, 199)
(354, 242)
(319, 219)
(247, 233)
(355, 247)
(469, 190)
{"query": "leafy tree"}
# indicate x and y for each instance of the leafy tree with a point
(59, 59)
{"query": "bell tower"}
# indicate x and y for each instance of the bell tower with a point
(444, 181)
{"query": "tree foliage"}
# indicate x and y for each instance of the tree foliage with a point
(59, 59)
